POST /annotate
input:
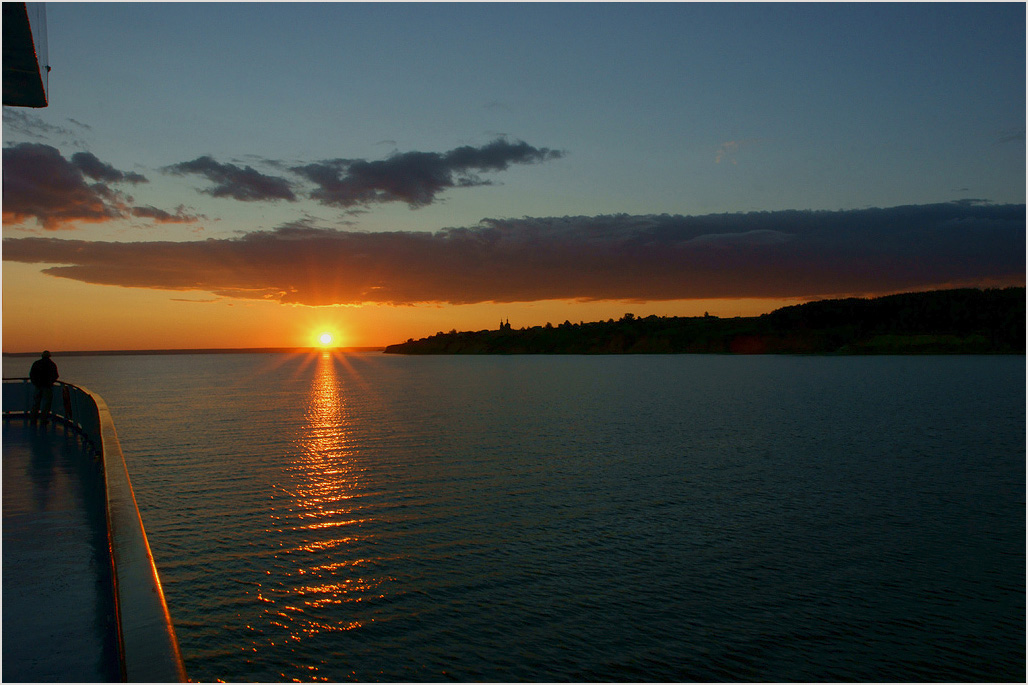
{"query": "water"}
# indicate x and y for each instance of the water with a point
(678, 518)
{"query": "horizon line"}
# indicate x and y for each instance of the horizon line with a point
(201, 350)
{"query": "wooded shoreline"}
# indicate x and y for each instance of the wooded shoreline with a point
(958, 321)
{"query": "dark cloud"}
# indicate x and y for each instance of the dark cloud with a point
(161, 216)
(92, 167)
(241, 183)
(31, 125)
(21, 124)
(307, 225)
(414, 177)
(650, 257)
(80, 124)
(39, 183)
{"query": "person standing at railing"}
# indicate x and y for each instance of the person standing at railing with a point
(43, 375)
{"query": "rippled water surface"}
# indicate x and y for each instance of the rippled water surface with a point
(371, 517)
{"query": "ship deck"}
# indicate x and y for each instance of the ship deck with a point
(59, 612)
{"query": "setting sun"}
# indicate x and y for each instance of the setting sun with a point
(325, 338)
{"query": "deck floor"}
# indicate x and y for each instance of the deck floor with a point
(58, 611)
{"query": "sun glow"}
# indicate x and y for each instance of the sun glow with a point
(325, 339)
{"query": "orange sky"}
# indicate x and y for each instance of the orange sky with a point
(45, 312)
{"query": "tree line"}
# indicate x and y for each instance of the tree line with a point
(958, 321)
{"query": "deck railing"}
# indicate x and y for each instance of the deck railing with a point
(146, 636)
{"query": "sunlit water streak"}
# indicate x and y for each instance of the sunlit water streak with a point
(581, 518)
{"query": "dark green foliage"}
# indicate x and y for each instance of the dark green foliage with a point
(963, 321)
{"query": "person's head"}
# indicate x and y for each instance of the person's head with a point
(46, 354)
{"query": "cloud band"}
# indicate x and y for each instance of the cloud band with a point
(649, 257)
(39, 183)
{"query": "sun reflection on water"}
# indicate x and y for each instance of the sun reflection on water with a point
(320, 569)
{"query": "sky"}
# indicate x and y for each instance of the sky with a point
(254, 174)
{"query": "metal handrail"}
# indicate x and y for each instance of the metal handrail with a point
(72, 405)
(146, 637)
